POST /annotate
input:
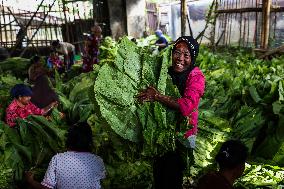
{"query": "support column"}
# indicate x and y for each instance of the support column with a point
(265, 23)
(183, 7)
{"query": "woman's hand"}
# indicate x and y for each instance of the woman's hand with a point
(54, 104)
(148, 95)
(62, 115)
(49, 107)
(29, 176)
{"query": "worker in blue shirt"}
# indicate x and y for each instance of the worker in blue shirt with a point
(162, 41)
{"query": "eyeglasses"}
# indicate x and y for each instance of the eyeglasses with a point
(178, 53)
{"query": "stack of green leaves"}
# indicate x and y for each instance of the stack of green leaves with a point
(15, 65)
(115, 91)
(28, 146)
(243, 100)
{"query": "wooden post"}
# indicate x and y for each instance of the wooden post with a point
(188, 20)
(1, 37)
(66, 22)
(5, 28)
(37, 28)
(265, 23)
(183, 7)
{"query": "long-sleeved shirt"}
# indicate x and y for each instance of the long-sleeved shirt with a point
(194, 90)
(65, 48)
(15, 111)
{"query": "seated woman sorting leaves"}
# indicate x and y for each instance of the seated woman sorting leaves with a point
(190, 81)
(75, 168)
(231, 160)
(21, 107)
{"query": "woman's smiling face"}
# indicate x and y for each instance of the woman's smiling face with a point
(181, 57)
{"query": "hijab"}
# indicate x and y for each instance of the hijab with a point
(179, 79)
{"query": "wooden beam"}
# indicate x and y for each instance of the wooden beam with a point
(273, 51)
(39, 26)
(249, 9)
(188, 20)
(183, 7)
(24, 28)
(65, 19)
(239, 10)
(265, 23)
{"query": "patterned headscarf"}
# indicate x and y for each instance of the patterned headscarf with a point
(192, 44)
(179, 79)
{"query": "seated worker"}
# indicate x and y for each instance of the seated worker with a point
(231, 160)
(162, 41)
(42, 92)
(21, 107)
(75, 168)
(67, 49)
(36, 69)
(54, 62)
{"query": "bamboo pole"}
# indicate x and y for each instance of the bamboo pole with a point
(56, 28)
(45, 27)
(51, 28)
(256, 25)
(248, 24)
(188, 20)
(65, 19)
(11, 29)
(5, 28)
(226, 24)
(1, 37)
(37, 29)
(26, 27)
(265, 23)
(230, 23)
(275, 23)
(183, 16)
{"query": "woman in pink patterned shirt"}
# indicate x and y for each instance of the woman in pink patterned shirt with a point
(21, 107)
(191, 84)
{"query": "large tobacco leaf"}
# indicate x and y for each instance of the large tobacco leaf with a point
(115, 91)
(32, 142)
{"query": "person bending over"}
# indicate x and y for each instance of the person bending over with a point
(68, 50)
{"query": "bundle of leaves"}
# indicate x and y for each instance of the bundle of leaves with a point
(108, 50)
(28, 146)
(243, 100)
(15, 65)
(74, 95)
(128, 134)
(150, 124)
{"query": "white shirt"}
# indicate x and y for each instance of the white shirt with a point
(74, 170)
(65, 48)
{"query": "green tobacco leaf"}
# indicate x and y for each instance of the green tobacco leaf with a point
(117, 86)
(254, 94)
(277, 107)
(271, 147)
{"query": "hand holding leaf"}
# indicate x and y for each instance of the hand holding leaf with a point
(148, 95)
(29, 175)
